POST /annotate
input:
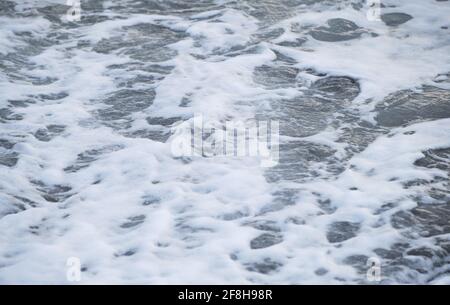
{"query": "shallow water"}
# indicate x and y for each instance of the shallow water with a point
(87, 111)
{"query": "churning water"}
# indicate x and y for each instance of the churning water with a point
(87, 113)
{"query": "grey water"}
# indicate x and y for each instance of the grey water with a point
(326, 101)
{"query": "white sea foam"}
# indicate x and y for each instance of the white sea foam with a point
(397, 58)
(136, 214)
